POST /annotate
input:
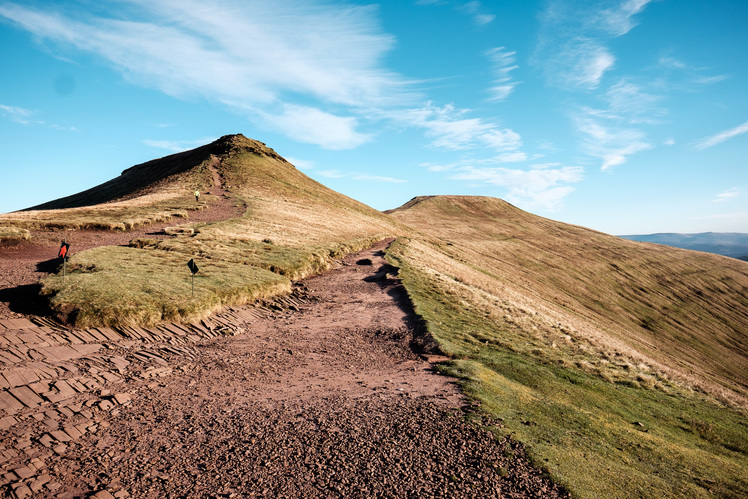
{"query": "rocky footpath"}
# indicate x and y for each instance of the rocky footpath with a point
(329, 392)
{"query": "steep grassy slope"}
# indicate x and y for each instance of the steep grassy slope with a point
(292, 227)
(683, 313)
(152, 192)
(587, 345)
(182, 167)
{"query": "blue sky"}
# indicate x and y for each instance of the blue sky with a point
(625, 116)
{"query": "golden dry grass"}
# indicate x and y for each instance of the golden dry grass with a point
(569, 335)
(662, 309)
(173, 201)
(13, 235)
(293, 227)
(588, 347)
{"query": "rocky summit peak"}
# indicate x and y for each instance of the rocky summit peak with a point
(235, 143)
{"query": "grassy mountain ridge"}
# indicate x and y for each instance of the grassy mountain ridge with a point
(621, 365)
(292, 227)
(637, 298)
(598, 353)
(145, 177)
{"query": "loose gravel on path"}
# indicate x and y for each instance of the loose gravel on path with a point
(326, 393)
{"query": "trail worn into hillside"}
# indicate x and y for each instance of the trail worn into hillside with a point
(23, 265)
(319, 394)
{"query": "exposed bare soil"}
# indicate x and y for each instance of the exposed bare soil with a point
(330, 392)
(23, 265)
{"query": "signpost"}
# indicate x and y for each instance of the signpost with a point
(64, 249)
(193, 268)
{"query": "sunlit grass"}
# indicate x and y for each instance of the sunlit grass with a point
(293, 227)
(679, 313)
(13, 235)
(117, 216)
(115, 285)
(602, 425)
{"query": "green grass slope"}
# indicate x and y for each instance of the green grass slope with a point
(621, 365)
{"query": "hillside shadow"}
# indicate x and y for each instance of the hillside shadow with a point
(386, 278)
(27, 300)
(49, 266)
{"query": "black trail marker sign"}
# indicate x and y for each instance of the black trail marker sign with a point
(63, 253)
(193, 268)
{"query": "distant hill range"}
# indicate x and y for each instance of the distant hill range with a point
(732, 244)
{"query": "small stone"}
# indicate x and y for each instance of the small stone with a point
(122, 398)
(24, 472)
(22, 492)
(23, 443)
(102, 494)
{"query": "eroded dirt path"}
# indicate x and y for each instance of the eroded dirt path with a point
(22, 266)
(319, 394)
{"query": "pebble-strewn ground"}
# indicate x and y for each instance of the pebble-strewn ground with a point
(326, 393)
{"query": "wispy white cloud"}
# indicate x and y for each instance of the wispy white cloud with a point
(573, 39)
(482, 19)
(726, 195)
(503, 64)
(301, 164)
(542, 186)
(586, 62)
(616, 131)
(378, 178)
(332, 174)
(612, 144)
(506, 157)
(475, 10)
(25, 116)
(360, 177)
(501, 140)
(439, 167)
(314, 126)
(618, 19)
(681, 75)
(630, 102)
(668, 62)
(19, 115)
(722, 136)
(254, 58)
(451, 129)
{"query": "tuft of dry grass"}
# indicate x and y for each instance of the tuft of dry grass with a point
(13, 235)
